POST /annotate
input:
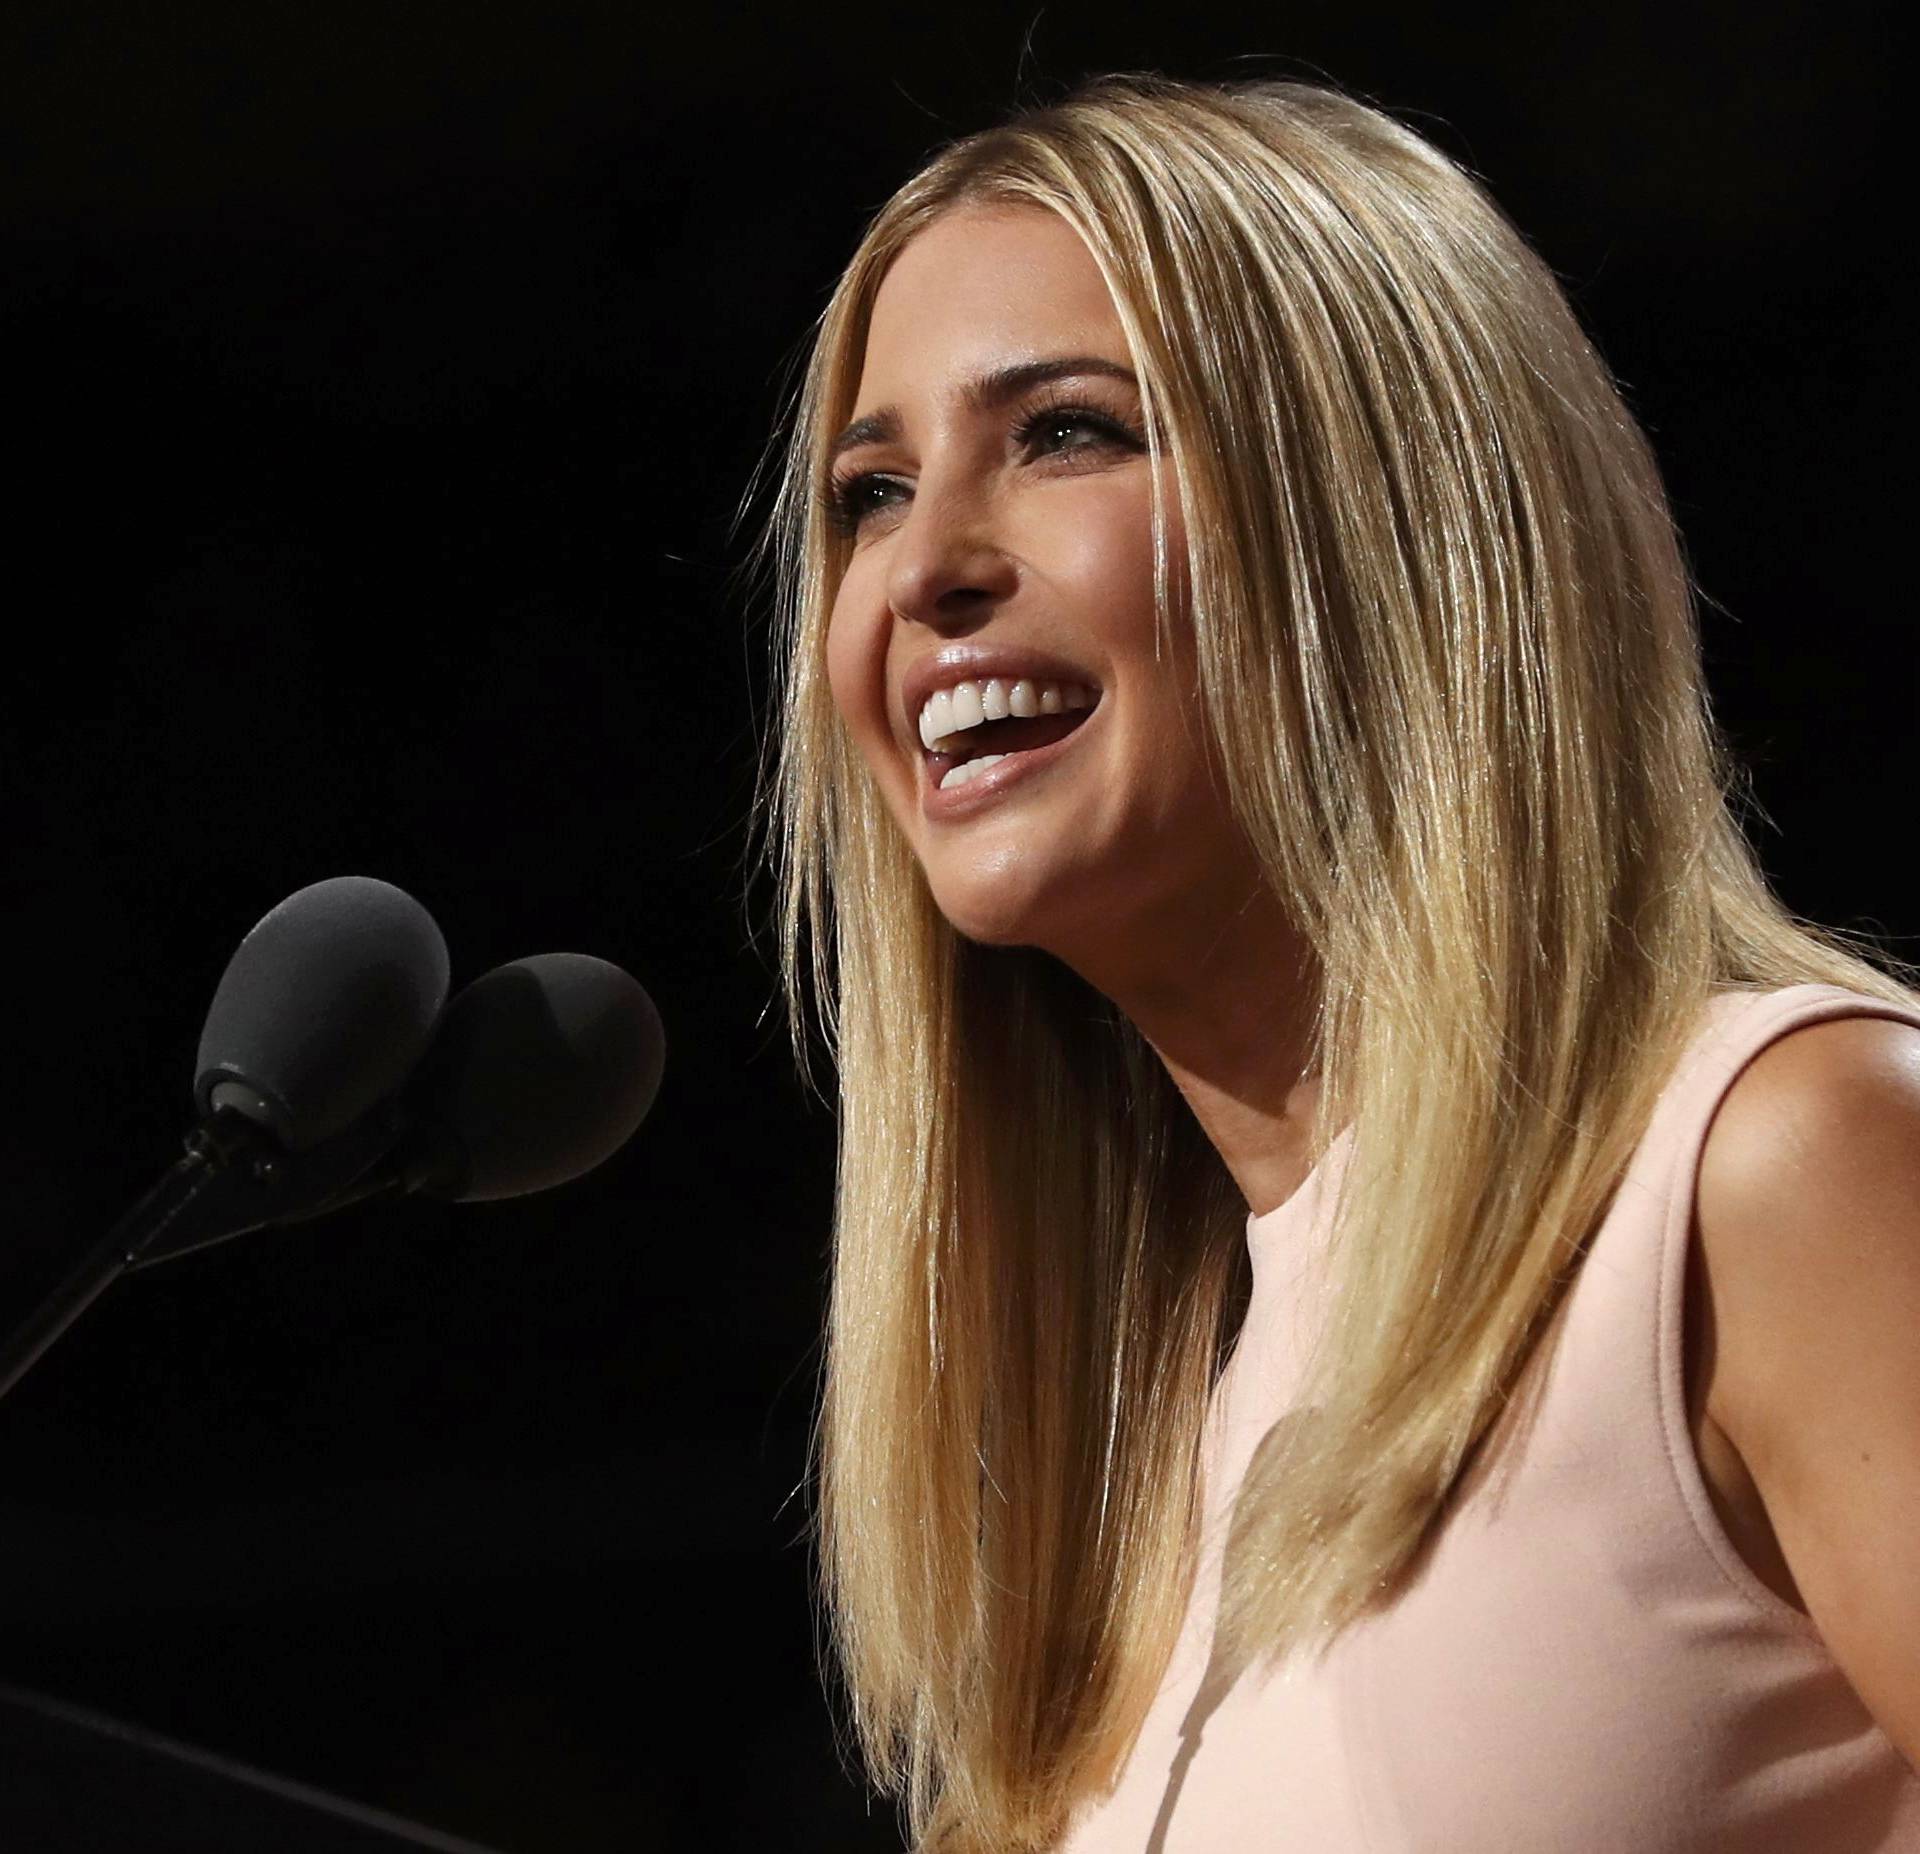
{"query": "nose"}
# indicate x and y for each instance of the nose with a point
(947, 570)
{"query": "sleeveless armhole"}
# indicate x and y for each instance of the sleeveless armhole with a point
(1749, 1022)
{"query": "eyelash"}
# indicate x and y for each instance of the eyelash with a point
(837, 495)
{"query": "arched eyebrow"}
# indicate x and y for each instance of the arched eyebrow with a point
(982, 393)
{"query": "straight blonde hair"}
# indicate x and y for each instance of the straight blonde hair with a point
(1448, 654)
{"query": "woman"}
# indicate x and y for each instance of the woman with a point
(1250, 817)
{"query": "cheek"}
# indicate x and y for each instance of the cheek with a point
(1111, 567)
(856, 677)
(848, 668)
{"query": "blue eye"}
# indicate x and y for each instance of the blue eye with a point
(845, 499)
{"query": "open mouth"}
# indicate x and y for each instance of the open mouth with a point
(963, 757)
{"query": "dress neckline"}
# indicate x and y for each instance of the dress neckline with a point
(1271, 1230)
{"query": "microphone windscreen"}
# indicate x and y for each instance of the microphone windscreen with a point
(541, 1069)
(324, 1010)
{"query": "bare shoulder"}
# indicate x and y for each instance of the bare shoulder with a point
(1855, 1079)
(1808, 1215)
(1809, 1186)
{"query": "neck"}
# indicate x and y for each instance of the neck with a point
(1225, 994)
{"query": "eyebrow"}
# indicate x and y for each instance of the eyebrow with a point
(982, 393)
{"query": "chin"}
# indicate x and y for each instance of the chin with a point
(989, 913)
(988, 925)
(1004, 913)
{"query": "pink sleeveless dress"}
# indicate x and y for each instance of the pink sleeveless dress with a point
(1585, 1664)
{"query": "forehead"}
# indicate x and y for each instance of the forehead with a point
(985, 284)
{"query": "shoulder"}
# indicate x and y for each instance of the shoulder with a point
(1808, 1215)
(1808, 1199)
(1824, 1115)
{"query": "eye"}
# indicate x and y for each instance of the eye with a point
(1049, 420)
(844, 500)
(848, 500)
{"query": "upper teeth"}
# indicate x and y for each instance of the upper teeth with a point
(967, 704)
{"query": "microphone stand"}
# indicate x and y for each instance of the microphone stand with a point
(212, 1147)
(233, 1177)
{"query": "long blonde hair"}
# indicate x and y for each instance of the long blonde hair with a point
(1448, 654)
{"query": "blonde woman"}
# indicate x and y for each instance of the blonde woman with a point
(1300, 1375)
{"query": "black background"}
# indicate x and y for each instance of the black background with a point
(380, 386)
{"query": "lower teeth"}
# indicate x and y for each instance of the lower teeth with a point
(967, 769)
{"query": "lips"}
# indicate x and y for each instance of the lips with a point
(998, 766)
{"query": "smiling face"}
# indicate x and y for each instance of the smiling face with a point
(1005, 536)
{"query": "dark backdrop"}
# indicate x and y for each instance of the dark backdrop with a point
(380, 385)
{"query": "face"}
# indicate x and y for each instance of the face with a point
(1001, 562)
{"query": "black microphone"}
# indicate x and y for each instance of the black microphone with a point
(322, 1012)
(540, 1070)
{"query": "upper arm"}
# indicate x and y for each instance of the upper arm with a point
(1809, 1218)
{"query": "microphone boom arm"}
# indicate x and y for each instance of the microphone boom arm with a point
(222, 1146)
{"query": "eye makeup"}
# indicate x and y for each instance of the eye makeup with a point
(843, 495)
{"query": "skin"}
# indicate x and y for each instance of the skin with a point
(1122, 858)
